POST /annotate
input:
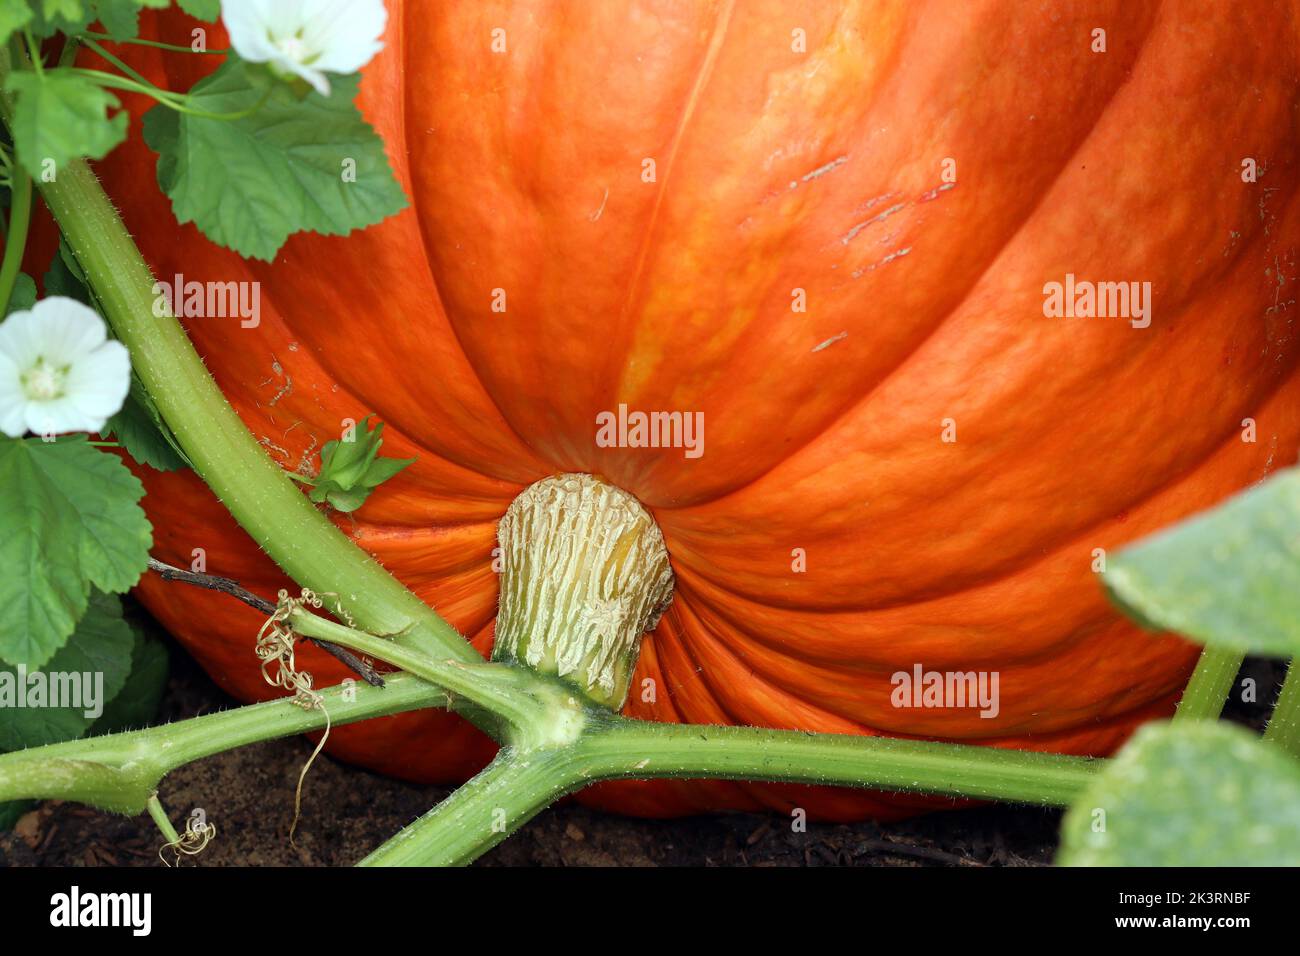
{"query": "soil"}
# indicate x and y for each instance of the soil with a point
(248, 795)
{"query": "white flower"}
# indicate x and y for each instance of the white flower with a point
(306, 38)
(58, 370)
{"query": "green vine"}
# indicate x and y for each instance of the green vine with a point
(1210, 684)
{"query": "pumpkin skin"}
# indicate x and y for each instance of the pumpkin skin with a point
(778, 170)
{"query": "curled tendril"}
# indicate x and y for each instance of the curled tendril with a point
(275, 649)
(190, 843)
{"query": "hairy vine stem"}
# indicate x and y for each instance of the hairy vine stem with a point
(514, 787)
(119, 772)
(1284, 726)
(1210, 684)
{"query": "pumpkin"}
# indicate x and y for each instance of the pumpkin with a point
(829, 228)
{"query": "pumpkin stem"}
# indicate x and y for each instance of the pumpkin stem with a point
(585, 574)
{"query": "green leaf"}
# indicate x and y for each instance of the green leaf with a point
(1229, 576)
(136, 704)
(1202, 793)
(64, 277)
(43, 592)
(95, 661)
(60, 116)
(67, 9)
(116, 535)
(207, 10)
(14, 15)
(381, 469)
(24, 295)
(140, 430)
(250, 183)
(55, 16)
(69, 518)
(350, 470)
(120, 18)
(105, 644)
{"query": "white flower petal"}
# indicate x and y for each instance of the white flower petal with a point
(12, 400)
(13, 418)
(57, 329)
(98, 384)
(58, 418)
(283, 18)
(69, 329)
(306, 37)
(318, 80)
(248, 24)
(344, 34)
(20, 339)
(86, 375)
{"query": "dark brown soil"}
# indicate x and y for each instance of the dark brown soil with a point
(248, 795)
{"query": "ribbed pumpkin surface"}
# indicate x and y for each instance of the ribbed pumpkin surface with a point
(777, 170)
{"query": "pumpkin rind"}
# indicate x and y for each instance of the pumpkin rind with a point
(774, 171)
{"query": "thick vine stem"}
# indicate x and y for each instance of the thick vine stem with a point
(1284, 726)
(509, 693)
(120, 772)
(1210, 684)
(283, 522)
(645, 751)
(517, 786)
(505, 795)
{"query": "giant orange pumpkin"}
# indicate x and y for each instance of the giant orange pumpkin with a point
(657, 186)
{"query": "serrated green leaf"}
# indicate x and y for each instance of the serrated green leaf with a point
(95, 660)
(116, 535)
(1196, 794)
(14, 15)
(250, 183)
(23, 296)
(60, 116)
(207, 10)
(1229, 576)
(120, 18)
(43, 591)
(136, 704)
(54, 16)
(69, 517)
(67, 9)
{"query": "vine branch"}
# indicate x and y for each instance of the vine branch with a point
(229, 586)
